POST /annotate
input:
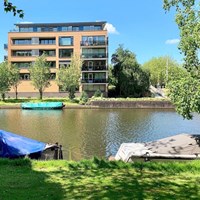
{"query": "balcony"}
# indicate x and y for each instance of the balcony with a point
(94, 55)
(5, 46)
(94, 43)
(94, 68)
(104, 80)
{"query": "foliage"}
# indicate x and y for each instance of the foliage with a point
(4, 78)
(15, 78)
(9, 7)
(162, 70)
(129, 78)
(98, 179)
(98, 93)
(68, 79)
(188, 21)
(40, 74)
(84, 98)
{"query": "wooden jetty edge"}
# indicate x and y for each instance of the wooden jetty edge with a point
(181, 147)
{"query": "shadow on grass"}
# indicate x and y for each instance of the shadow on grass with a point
(19, 181)
(103, 180)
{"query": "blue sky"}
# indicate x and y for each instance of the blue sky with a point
(141, 26)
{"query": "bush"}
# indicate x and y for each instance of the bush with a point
(97, 93)
(84, 98)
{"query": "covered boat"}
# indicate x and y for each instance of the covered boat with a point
(16, 146)
(42, 105)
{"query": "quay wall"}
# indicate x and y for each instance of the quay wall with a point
(132, 104)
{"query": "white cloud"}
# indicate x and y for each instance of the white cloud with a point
(172, 41)
(111, 29)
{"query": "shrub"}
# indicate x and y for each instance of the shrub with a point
(97, 93)
(84, 98)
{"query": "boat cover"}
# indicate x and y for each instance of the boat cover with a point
(14, 146)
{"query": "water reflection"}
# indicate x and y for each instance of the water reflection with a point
(89, 132)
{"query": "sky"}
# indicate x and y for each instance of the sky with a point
(142, 26)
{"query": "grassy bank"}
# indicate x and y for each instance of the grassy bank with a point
(98, 179)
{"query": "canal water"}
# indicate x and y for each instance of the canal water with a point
(85, 133)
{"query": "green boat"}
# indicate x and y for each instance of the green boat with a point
(42, 105)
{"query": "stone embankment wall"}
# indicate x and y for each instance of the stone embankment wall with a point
(132, 104)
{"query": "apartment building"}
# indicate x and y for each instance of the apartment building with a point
(59, 41)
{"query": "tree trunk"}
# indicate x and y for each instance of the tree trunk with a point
(3, 96)
(16, 93)
(40, 91)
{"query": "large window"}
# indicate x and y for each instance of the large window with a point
(25, 76)
(47, 41)
(22, 53)
(94, 53)
(22, 64)
(65, 41)
(48, 52)
(65, 53)
(21, 41)
(93, 40)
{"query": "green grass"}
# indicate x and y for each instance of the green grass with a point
(98, 179)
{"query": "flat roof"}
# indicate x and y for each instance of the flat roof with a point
(101, 23)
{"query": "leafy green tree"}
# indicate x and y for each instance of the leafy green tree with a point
(129, 78)
(40, 74)
(68, 79)
(162, 70)
(188, 21)
(14, 78)
(4, 78)
(9, 7)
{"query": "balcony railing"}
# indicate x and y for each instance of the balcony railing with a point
(6, 46)
(93, 68)
(104, 80)
(94, 55)
(93, 43)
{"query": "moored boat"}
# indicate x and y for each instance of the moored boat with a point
(178, 147)
(42, 105)
(17, 146)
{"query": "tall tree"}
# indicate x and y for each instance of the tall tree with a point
(4, 78)
(188, 21)
(162, 69)
(9, 7)
(68, 79)
(129, 78)
(40, 74)
(14, 78)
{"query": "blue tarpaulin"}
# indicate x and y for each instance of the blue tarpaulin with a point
(13, 145)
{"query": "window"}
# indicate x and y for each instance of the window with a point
(47, 41)
(65, 53)
(21, 41)
(65, 41)
(64, 64)
(22, 64)
(47, 52)
(22, 53)
(53, 76)
(25, 76)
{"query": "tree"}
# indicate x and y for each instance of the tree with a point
(188, 21)
(4, 78)
(68, 79)
(14, 78)
(40, 74)
(9, 7)
(162, 70)
(129, 79)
